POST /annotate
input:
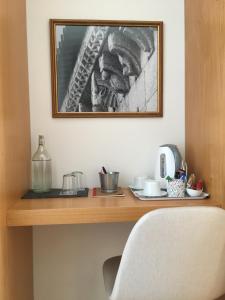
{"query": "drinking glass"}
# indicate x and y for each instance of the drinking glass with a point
(69, 186)
(79, 180)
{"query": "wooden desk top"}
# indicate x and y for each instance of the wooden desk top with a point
(26, 212)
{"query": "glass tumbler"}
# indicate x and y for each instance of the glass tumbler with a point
(80, 185)
(69, 186)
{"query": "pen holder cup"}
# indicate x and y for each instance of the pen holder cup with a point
(109, 182)
(176, 188)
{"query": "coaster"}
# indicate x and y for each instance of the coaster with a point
(96, 192)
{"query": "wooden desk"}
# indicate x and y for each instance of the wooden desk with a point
(26, 212)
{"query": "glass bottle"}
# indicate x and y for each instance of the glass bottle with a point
(41, 168)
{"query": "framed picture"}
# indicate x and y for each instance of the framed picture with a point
(106, 68)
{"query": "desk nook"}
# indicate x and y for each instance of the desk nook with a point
(41, 239)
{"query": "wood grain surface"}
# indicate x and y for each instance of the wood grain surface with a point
(27, 212)
(205, 93)
(16, 279)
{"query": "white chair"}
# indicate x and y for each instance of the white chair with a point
(171, 254)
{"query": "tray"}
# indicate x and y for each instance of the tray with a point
(187, 197)
(53, 193)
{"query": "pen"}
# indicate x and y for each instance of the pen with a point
(104, 170)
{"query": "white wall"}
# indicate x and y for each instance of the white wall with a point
(67, 259)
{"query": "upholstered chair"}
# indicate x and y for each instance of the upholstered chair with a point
(171, 254)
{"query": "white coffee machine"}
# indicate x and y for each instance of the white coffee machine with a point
(168, 162)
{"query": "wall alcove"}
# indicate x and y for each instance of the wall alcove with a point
(205, 128)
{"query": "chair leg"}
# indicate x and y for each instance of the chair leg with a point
(110, 268)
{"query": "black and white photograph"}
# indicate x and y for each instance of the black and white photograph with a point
(106, 68)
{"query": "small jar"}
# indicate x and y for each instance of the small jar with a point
(176, 188)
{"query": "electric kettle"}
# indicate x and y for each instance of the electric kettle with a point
(168, 162)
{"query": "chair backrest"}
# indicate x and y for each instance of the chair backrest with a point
(174, 254)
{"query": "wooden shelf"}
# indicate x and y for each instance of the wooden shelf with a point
(26, 212)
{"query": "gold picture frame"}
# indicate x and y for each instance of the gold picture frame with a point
(106, 68)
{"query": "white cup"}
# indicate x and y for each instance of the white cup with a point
(138, 182)
(152, 188)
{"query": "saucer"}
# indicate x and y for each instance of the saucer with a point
(141, 194)
(134, 188)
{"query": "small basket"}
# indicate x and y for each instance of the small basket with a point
(176, 188)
